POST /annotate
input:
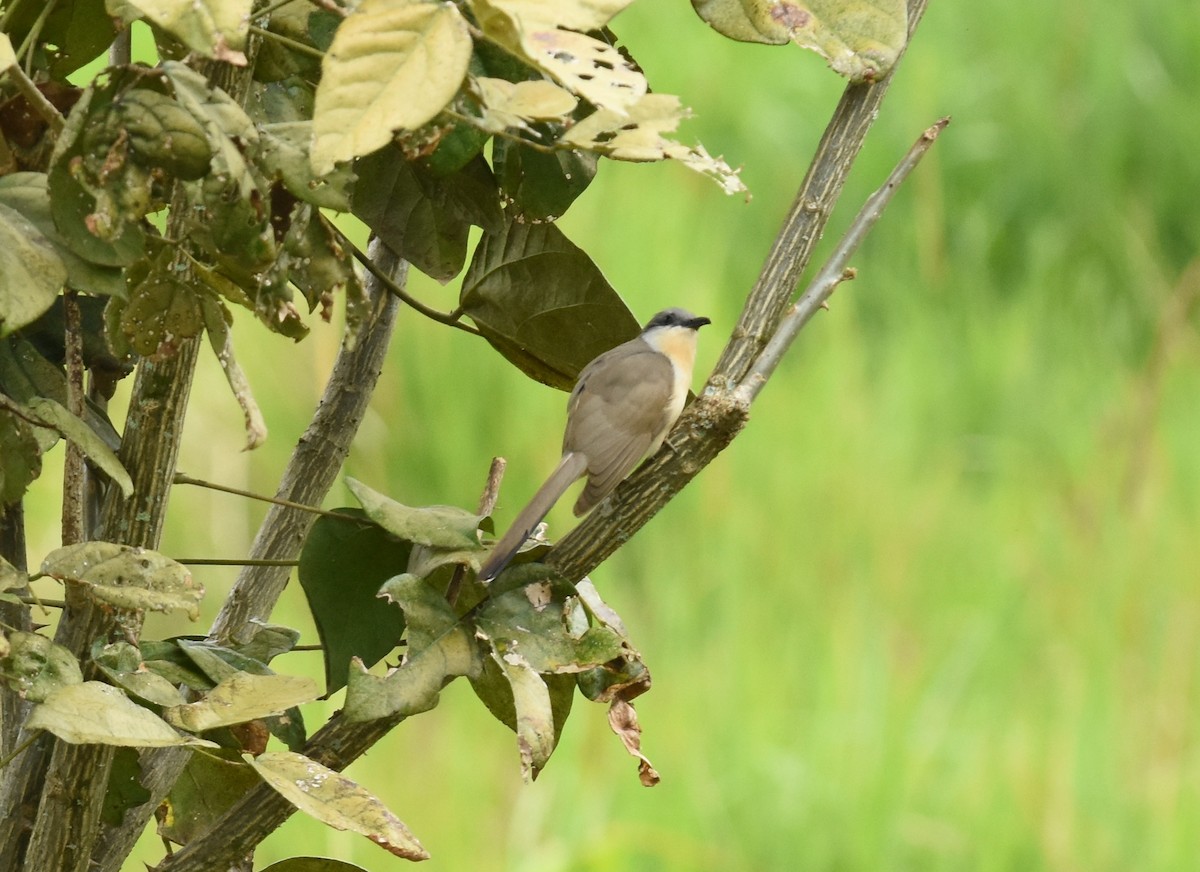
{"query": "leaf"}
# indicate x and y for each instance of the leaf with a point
(312, 864)
(542, 303)
(540, 186)
(283, 154)
(622, 718)
(35, 666)
(28, 193)
(127, 577)
(337, 801)
(539, 622)
(125, 790)
(122, 665)
(514, 104)
(31, 272)
(8, 57)
(393, 64)
(637, 135)
(240, 698)
(20, 457)
(534, 712)
(440, 648)
(97, 714)
(97, 207)
(214, 28)
(587, 66)
(437, 526)
(861, 39)
(424, 217)
(162, 310)
(342, 565)
(208, 787)
(52, 415)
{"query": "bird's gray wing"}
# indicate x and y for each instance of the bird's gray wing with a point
(617, 412)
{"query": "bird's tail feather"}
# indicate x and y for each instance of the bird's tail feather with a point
(569, 469)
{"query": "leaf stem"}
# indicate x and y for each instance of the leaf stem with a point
(235, 561)
(287, 41)
(451, 318)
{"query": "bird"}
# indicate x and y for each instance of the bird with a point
(620, 410)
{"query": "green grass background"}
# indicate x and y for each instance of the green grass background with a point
(936, 608)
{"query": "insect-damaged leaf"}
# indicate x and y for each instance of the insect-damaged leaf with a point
(35, 666)
(440, 648)
(393, 64)
(861, 39)
(96, 713)
(337, 801)
(127, 577)
(542, 303)
(342, 566)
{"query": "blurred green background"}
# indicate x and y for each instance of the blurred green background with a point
(936, 608)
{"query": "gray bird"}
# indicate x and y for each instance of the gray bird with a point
(623, 404)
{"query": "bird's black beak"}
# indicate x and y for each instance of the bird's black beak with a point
(697, 323)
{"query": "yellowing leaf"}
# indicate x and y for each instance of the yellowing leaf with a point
(337, 801)
(861, 39)
(573, 15)
(637, 135)
(214, 28)
(512, 104)
(126, 577)
(243, 697)
(94, 713)
(31, 272)
(7, 56)
(393, 64)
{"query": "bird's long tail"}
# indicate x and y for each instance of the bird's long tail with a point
(570, 468)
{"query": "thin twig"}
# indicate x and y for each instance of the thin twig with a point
(180, 478)
(835, 270)
(73, 527)
(453, 317)
(45, 604)
(487, 504)
(288, 42)
(236, 561)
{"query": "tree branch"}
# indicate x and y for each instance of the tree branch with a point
(315, 462)
(806, 220)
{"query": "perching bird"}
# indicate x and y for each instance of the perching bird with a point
(623, 404)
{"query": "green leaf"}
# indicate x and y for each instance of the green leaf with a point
(337, 801)
(214, 28)
(70, 35)
(127, 577)
(98, 714)
(208, 787)
(240, 698)
(861, 39)
(29, 194)
(542, 303)
(312, 864)
(342, 566)
(35, 666)
(422, 216)
(31, 272)
(440, 648)
(52, 415)
(437, 526)
(541, 186)
(122, 665)
(162, 310)
(97, 206)
(20, 457)
(283, 154)
(393, 64)
(533, 712)
(125, 790)
(162, 133)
